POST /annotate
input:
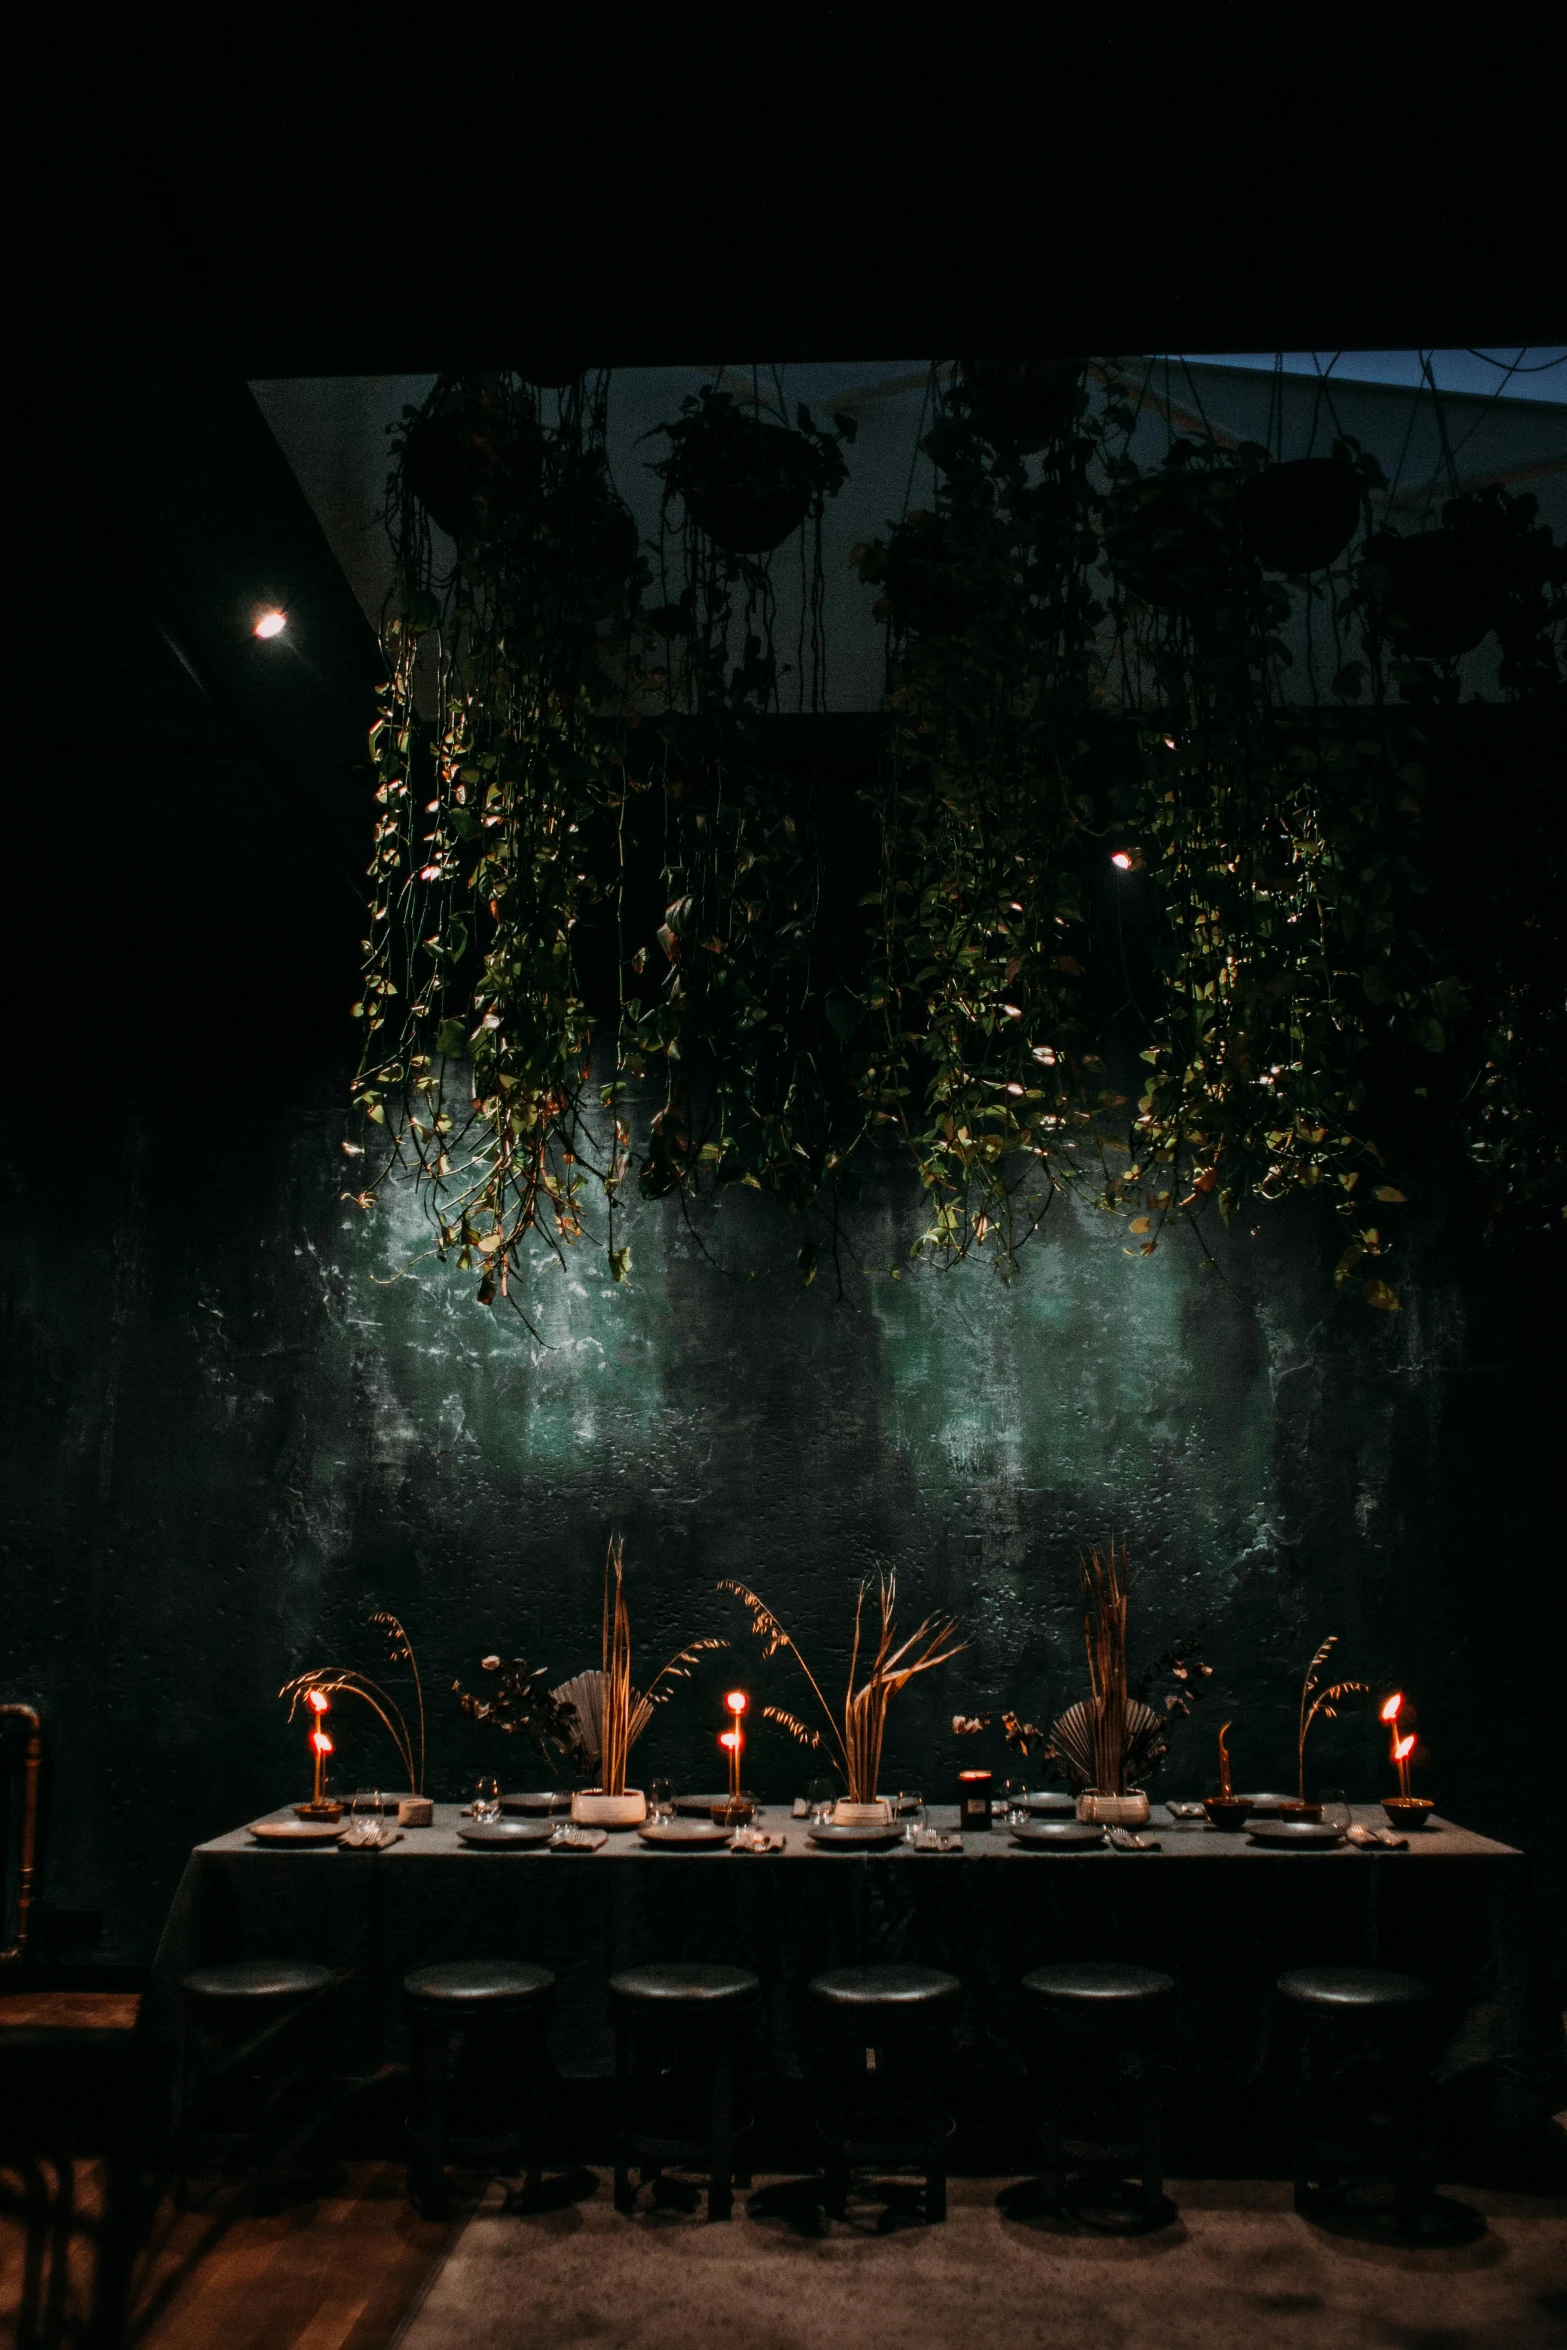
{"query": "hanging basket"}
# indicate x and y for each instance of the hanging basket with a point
(1299, 518)
(1020, 404)
(1172, 543)
(1433, 596)
(750, 488)
(922, 594)
(467, 472)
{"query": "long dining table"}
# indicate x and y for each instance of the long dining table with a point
(1223, 1916)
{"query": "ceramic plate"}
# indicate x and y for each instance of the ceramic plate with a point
(296, 1831)
(698, 1835)
(1059, 1835)
(1296, 1835)
(836, 1839)
(699, 1806)
(505, 1835)
(1054, 1801)
(538, 1800)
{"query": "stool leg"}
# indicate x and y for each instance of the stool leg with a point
(835, 2162)
(720, 2195)
(1408, 2181)
(1054, 2179)
(1153, 2160)
(935, 2140)
(1303, 2087)
(536, 2088)
(625, 2200)
(427, 2176)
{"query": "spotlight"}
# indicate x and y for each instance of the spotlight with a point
(1122, 860)
(269, 624)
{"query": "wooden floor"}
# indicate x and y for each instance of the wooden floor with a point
(337, 2274)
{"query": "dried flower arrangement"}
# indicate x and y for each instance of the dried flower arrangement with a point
(609, 1713)
(1021, 1736)
(547, 1718)
(1115, 1740)
(1315, 1700)
(855, 1733)
(331, 1681)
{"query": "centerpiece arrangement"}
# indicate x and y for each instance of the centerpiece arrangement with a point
(596, 1718)
(854, 1731)
(314, 1690)
(1114, 1740)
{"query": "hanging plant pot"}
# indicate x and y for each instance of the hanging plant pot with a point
(1022, 403)
(1171, 540)
(1299, 517)
(467, 470)
(747, 484)
(922, 591)
(1433, 596)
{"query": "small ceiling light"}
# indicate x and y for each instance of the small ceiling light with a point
(269, 624)
(1122, 860)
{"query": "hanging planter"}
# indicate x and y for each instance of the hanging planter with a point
(472, 459)
(1020, 404)
(1298, 518)
(1433, 596)
(923, 593)
(1171, 538)
(746, 484)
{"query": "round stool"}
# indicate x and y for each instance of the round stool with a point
(1108, 2019)
(1349, 2019)
(509, 2003)
(883, 2089)
(673, 2013)
(256, 2038)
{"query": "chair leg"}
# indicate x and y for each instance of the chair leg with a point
(720, 2191)
(625, 2198)
(935, 2139)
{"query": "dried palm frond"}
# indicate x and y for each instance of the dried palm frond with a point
(1072, 1741)
(610, 1714)
(857, 1733)
(1314, 1701)
(795, 1727)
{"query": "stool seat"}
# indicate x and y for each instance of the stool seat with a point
(469, 1986)
(258, 1978)
(1353, 1991)
(1091, 1990)
(686, 1984)
(855, 1991)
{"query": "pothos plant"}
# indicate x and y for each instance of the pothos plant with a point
(977, 1056)
(494, 791)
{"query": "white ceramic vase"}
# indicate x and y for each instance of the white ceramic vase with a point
(590, 1808)
(1113, 1811)
(861, 1815)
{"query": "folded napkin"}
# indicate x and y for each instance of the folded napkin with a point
(1377, 1839)
(579, 1840)
(368, 1839)
(938, 1840)
(762, 1842)
(1124, 1841)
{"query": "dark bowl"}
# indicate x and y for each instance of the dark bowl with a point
(1408, 1811)
(1310, 1812)
(1265, 1806)
(1228, 1811)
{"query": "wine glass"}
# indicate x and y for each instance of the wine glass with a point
(661, 1795)
(487, 1800)
(912, 1806)
(1335, 1809)
(1014, 1796)
(820, 1799)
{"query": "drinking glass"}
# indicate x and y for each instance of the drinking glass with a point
(912, 1806)
(487, 1800)
(364, 1817)
(1335, 1809)
(661, 1795)
(820, 1798)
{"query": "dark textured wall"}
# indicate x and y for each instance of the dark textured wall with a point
(236, 1420)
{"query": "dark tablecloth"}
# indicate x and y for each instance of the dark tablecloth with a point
(1224, 1917)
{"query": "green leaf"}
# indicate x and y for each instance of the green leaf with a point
(451, 1038)
(1391, 1193)
(620, 1263)
(807, 1261)
(844, 1011)
(1377, 1293)
(1431, 1035)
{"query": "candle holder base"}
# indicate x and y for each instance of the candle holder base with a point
(735, 1811)
(1408, 1811)
(318, 1811)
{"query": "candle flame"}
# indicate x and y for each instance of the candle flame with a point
(1403, 1747)
(737, 1701)
(729, 1738)
(1390, 1709)
(316, 1701)
(321, 1742)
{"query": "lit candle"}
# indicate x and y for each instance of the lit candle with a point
(1391, 1709)
(736, 1701)
(1224, 1760)
(320, 1744)
(1403, 1748)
